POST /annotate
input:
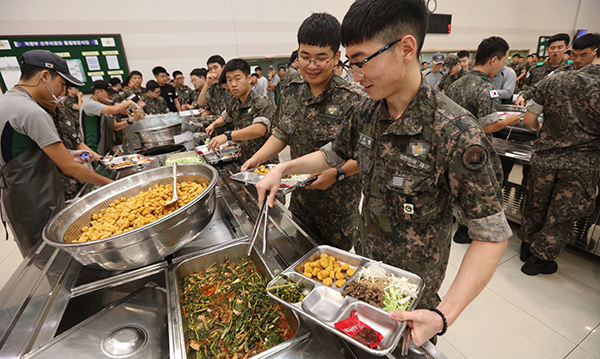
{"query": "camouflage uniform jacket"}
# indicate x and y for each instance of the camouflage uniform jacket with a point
(67, 122)
(194, 97)
(475, 93)
(184, 94)
(570, 135)
(537, 74)
(256, 109)
(291, 74)
(306, 123)
(519, 68)
(412, 170)
(154, 106)
(217, 99)
(448, 80)
(132, 90)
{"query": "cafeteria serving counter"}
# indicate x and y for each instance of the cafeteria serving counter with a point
(53, 307)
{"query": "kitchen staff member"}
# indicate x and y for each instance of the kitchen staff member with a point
(98, 128)
(31, 149)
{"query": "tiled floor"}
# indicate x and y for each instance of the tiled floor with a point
(543, 317)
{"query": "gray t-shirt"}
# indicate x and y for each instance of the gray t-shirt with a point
(432, 78)
(94, 126)
(275, 81)
(504, 82)
(261, 86)
(23, 123)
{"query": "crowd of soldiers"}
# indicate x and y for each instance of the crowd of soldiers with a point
(413, 172)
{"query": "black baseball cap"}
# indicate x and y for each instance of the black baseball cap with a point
(103, 85)
(48, 60)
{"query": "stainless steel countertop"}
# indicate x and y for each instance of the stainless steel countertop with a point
(50, 292)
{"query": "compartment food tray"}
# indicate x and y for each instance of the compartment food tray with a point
(287, 185)
(136, 159)
(228, 152)
(325, 305)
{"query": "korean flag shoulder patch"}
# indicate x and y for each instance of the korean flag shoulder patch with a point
(494, 94)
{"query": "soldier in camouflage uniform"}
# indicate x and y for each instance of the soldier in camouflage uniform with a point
(475, 93)
(307, 122)
(136, 85)
(565, 166)
(214, 97)
(557, 45)
(415, 159)
(155, 103)
(184, 92)
(249, 112)
(454, 71)
(292, 72)
(67, 124)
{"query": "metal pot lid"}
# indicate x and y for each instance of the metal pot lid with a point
(161, 150)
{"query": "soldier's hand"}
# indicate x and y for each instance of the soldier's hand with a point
(513, 119)
(79, 93)
(422, 323)
(520, 101)
(251, 163)
(270, 182)
(211, 78)
(210, 129)
(324, 179)
(216, 142)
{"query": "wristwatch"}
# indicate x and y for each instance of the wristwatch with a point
(228, 134)
(340, 174)
(129, 122)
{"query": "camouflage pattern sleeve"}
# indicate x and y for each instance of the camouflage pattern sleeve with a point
(264, 111)
(472, 180)
(538, 94)
(487, 108)
(279, 123)
(343, 146)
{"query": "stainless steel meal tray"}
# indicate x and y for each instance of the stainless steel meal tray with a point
(233, 252)
(121, 159)
(227, 154)
(325, 305)
(287, 185)
(146, 244)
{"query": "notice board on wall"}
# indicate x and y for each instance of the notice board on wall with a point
(90, 57)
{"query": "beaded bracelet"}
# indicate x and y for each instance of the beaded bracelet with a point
(443, 319)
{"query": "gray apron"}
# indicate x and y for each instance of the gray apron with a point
(107, 133)
(31, 194)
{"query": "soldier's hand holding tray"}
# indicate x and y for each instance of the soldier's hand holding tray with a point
(324, 180)
(251, 163)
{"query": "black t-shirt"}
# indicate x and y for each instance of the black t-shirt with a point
(169, 94)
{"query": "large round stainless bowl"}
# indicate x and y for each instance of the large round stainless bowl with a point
(158, 136)
(144, 245)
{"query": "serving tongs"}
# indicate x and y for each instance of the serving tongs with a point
(175, 198)
(263, 214)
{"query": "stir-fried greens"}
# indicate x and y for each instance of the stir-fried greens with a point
(228, 314)
(291, 291)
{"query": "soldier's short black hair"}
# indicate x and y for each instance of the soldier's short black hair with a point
(114, 81)
(258, 68)
(135, 72)
(223, 78)
(489, 48)
(215, 59)
(282, 67)
(127, 80)
(462, 54)
(516, 55)
(29, 71)
(254, 75)
(591, 41)
(385, 21)
(293, 56)
(177, 72)
(320, 29)
(568, 52)
(530, 55)
(199, 72)
(159, 70)
(559, 37)
(424, 62)
(237, 64)
(152, 85)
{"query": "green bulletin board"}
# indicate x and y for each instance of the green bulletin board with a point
(90, 57)
(542, 46)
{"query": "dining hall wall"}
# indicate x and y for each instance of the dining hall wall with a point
(182, 34)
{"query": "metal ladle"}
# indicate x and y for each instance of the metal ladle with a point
(175, 198)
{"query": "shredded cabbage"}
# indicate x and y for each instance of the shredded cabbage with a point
(398, 294)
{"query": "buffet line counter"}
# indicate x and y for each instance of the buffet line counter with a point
(53, 307)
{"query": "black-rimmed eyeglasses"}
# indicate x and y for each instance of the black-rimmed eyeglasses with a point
(356, 67)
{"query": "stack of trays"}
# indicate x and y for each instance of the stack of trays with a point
(325, 305)
(287, 185)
